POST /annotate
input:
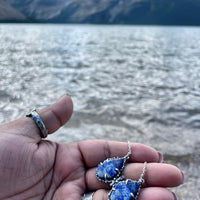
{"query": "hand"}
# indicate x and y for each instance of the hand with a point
(34, 169)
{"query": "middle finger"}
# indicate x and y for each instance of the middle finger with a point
(157, 174)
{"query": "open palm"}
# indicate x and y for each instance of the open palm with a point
(32, 168)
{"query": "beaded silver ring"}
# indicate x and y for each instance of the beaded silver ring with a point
(38, 121)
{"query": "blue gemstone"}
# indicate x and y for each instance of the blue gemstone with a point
(110, 169)
(123, 190)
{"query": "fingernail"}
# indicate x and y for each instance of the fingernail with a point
(175, 198)
(183, 177)
(160, 157)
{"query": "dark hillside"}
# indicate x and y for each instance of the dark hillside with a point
(162, 12)
(8, 13)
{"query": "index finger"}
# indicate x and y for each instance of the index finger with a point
(96, 151)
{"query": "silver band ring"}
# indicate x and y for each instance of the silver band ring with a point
(40, 124)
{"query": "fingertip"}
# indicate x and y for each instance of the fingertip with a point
(177, 176)
(57, 114)
(65, 103)
(165, 174)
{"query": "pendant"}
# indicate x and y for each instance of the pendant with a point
(124, 190)
(110, 172)
(127, 189)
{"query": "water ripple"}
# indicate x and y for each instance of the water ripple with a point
(127, 82)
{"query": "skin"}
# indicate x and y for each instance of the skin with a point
(33, 168)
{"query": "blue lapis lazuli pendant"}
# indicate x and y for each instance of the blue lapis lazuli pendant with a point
(111, 169)
(125, 190)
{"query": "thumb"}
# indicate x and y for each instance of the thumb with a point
(53, 117)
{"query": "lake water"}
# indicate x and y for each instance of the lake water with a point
(137, 83)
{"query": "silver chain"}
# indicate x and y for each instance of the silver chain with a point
(129, 151)
(141, 180)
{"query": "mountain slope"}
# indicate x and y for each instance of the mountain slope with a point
(8, 13)
(183, 12)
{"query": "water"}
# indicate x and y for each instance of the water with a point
(137, 83)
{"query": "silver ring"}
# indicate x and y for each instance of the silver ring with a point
(40, 124)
